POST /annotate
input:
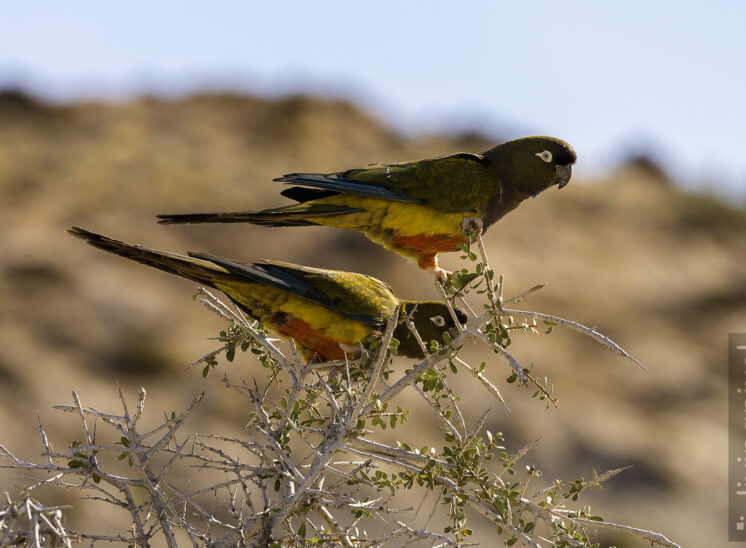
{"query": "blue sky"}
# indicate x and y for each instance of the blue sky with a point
(611, 78)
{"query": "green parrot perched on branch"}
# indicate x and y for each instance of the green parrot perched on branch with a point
(328, 313)
(416, 208)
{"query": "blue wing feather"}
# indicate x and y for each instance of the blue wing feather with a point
(339, 184)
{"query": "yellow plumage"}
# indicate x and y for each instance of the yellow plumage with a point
(267, 302)
(405, 218)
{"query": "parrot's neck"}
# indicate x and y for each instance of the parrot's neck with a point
(501, 203)
(408, 345)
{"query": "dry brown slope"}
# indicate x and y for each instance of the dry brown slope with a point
(655, 268)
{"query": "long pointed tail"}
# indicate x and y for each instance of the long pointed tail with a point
(294, 215)
(198, 270)
(257, 218)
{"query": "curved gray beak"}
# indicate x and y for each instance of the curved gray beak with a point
(562, 175)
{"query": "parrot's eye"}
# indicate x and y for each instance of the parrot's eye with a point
(546, 156)
(438, 320)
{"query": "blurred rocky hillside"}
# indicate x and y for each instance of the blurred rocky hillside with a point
(660, 271)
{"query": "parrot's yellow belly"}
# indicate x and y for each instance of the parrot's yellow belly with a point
(313, 326)
(410, 229)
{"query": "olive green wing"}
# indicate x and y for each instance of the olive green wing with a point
(355, 296)
(456, 183)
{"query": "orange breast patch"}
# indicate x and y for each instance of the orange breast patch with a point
(326, 348)
(423, 243)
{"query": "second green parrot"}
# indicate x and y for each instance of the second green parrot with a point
(329, 313)
(416, 208)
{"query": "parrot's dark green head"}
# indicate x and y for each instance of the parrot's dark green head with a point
(531, 164)
(431, 319)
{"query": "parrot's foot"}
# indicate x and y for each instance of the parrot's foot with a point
(429, 263)
(350, 349)
(441, 273)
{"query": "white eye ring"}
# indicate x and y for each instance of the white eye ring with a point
(546, 156)
(438, 320)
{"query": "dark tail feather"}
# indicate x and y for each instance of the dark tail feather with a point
(195, 218)
(303, 194)
(295, 215)
(198, 270)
